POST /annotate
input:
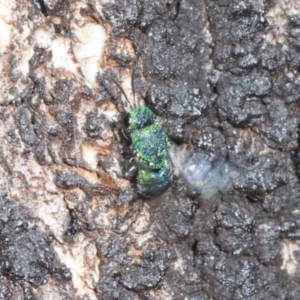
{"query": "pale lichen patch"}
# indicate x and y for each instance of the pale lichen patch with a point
(5, 37)
(277, 19)
(6, 8)
(143, 240)
(62, 60)
(290, 263)
(88, 50)
(43, 37)
(89, 154)
(142, 222)
(83, 263)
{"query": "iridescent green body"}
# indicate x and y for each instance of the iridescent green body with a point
(151, 147)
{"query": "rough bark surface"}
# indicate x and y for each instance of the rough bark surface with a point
(223, 76)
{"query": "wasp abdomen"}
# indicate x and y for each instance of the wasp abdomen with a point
(153, 182)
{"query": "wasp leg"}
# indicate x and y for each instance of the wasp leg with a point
(129, 168)
(132, 167)
(124, 132)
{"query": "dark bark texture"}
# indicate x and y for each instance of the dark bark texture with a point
(223, 78)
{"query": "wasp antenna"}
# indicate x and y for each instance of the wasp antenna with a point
(132, 85)
(122, 91)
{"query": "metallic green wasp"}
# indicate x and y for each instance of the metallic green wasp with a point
(150, 146)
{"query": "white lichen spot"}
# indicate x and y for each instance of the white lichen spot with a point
(43, 37)
(179, 263)
(278, 16)
(83, 263)
(53, 214)
(88, 48)
(61, 57)
(142, 221)
(5, 37)
(89, 154)
(290, 263)
(277, 20)
(6, 11)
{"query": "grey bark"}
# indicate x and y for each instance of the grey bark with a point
(223, 78)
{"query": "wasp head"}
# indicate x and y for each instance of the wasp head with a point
(140, 117)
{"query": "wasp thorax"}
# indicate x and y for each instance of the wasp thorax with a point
(150, 145)
(140, 117)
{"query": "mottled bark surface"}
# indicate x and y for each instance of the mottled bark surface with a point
(223, 78)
